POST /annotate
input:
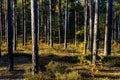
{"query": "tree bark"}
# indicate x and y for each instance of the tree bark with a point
(119, 29)
(91, 27)
(66, 25)
(0, 26)
(9, 33)
(15, 24)
(75, 25)
(50, 16)
(38, 12)
(96, 29)
(34, 28)
(85, 26)
(108, 30)
(24, 21)
(60, 27)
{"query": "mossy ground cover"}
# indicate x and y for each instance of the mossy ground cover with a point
(59, 64)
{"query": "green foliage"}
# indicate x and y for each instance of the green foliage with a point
(80, 32)
(29, 76)
(74, 75)
(54, 67)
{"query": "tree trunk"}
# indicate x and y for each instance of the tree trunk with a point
(9, 33)
(75, 25)
(50, 16)
(45, 23)
(96, 27)
(66, 24)
(115, 26)
(34, 28)
(38, 12)
(15, 25)
(108, 30)
(60, 27)
(85, 26)
(24, 22)
(0, 26)
(91, 27)
(119, 29)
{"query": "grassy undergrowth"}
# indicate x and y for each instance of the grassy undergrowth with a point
(59, 64)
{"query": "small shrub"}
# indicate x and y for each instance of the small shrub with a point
(54, 67)
(29, 76)
(74, 75)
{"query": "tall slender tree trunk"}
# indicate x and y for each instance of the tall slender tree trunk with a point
(41, 20)
(34, 28)
(115, 26)
(54, 23)
(24, 21)
(9, 33)
(66, 25)
(91, 27)
(108, 30)
(75, 25)
(50, 15)
(60, 27)
(15, 24)
(5, 23)
(96, 27)
(119, 29)
(0, 26)
(45, 22)
(38, 12)
(48, 30)
(85, 26)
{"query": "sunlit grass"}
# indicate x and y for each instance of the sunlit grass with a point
(62, 64)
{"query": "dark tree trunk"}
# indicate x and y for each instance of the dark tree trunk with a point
(38, 19)
(15, 25)
(66, 24)
(48, 30)
(9, 33)
(45, 30)
(85, 26)
(24, 21)
(91, 27)
(108, 30)
(50, 16)
(3, 22)
(118, 29)
(0, 26)
(45, 21)
(60, 27)
(34, 28)
(41, 32)
(96, 29)
(115, 26)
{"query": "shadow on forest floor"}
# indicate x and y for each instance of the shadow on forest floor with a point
(23, 59)
(23, 62)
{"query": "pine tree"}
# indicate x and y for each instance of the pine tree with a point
(34, 28)
(85, 26)
(96, 28)
(66, 24)
(15, 24)
(0, 26)
(24, 21)
(108, 28)
(9, 35)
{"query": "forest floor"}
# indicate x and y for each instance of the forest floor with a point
(60, 64)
